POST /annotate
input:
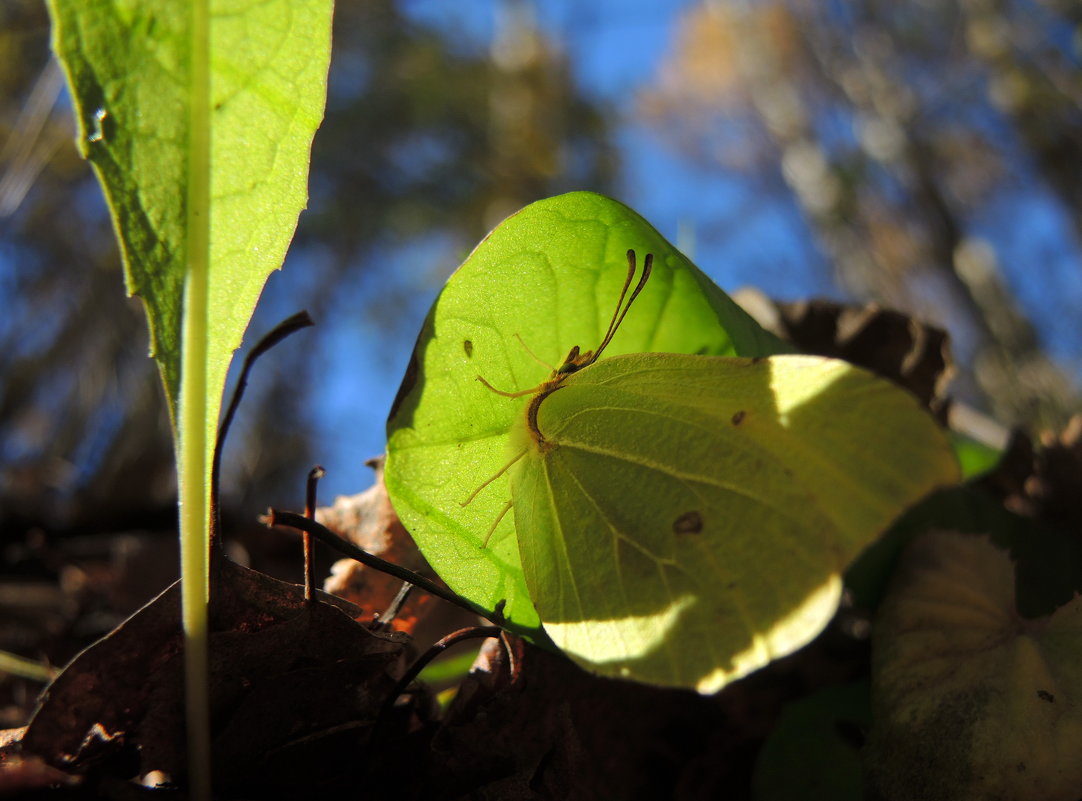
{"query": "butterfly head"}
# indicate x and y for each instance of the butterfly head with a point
(575, 361)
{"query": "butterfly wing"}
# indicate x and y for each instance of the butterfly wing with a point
(692, 518)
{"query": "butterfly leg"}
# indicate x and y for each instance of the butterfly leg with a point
(503, 512)
(508, 394)
(492, 478)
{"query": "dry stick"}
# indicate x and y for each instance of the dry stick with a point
(383, 619)
(419, 664)
(288, 326)
(275, 517)
(314, 475)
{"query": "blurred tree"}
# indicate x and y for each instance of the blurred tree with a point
(423, 138)
(897, 128)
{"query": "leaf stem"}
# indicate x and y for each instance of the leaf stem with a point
(194, 466)
(15, 665)
(287, 327)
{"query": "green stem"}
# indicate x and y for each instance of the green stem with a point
(193, 465)
(15, 665)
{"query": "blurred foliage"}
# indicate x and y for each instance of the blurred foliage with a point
(902, 132)
(423, 138)
(898, 130)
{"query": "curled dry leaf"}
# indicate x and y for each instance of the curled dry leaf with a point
(368, 520)
(1044, 482)
(971, 700)
(891, 344)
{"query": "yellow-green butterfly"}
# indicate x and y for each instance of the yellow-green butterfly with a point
(677, 519)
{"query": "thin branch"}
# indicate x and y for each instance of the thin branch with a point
(414, 670)
(314, 475)
(384, 619)
(275, 517)
(288, 326)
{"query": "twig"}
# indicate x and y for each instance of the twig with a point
(288, 326)
(384, 618)
(314, 475)
(275, 517)
(419, 664)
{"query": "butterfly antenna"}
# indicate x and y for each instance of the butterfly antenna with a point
(618, 316)
(619, 303)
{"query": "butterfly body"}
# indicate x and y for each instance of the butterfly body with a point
(576, 358)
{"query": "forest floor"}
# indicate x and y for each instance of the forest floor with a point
(304, 696)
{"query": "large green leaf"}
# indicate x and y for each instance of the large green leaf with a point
(198, 118)
(136, 91)
(549, 275)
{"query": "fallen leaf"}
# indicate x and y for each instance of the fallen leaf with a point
(283, 673)
(536, 726)
(894, 345)
(971, 700)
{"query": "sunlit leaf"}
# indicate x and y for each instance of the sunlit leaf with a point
(678, 518)
(549, 275)
(130, 69)
(198, 118)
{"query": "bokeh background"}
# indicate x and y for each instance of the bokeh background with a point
(926, 155)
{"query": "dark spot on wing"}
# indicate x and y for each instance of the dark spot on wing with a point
(688, 523)
(738, 418)
(467, 346)
(1044, 695)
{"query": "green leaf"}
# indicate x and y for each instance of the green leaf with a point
(975, 457)
(969, 700)
(198, 118)
(136, 87)
(678, 518)
(549, 274)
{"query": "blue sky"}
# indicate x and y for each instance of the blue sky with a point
(614, 49)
